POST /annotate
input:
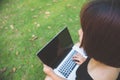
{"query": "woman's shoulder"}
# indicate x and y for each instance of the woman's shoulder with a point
(96, 70)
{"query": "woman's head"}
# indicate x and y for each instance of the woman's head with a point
(100, 21)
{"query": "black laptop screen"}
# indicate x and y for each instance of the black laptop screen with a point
(52, 53)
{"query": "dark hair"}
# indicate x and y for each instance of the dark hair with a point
(100, 21)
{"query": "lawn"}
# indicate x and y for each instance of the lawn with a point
(25, 27)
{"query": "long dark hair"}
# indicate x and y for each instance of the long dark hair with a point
(100, 21)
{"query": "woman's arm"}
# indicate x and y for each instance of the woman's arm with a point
(78, 58)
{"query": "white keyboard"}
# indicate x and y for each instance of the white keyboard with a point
(66, 68)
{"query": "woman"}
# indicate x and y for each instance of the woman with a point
(100, 20)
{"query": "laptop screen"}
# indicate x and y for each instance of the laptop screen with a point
(54, 52)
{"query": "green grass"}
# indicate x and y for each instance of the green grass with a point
(25, 27)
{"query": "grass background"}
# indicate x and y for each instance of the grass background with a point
(25, 27)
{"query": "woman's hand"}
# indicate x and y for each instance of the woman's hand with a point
(48, 70)
(78, 58)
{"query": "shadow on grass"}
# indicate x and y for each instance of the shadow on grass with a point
(3, 3)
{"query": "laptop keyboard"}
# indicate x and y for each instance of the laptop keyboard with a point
(68, 65)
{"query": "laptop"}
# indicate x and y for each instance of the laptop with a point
(58, 55)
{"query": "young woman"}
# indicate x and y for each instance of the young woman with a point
(100, 20)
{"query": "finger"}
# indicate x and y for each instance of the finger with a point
(44, 65)
(77, 57)
(78, 62)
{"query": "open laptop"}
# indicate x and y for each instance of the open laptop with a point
(58, 55)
